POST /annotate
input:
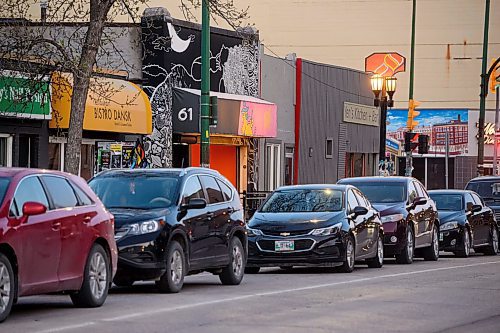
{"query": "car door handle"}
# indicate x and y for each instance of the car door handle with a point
(87, 219)
(56, 226)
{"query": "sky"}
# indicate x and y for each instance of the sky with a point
(397, 117)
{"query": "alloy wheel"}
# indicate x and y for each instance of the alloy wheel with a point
(494, 239)
(466, 242)
(350, 253)
(409, 244)
(380, 251)
(176, 267)
(237, 261)
(98, 275)
(4, 287)
(435, 241)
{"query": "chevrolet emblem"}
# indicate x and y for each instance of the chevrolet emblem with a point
(284, 234)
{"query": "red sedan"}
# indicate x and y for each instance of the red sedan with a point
(55, 235)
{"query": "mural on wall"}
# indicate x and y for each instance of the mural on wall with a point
(172, 59)
(435, 123)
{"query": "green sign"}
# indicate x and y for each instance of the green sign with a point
(25, 98)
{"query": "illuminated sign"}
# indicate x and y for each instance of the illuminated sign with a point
(489, 133)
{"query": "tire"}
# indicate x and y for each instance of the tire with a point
(406, 256)
(378, 260)
(252, 270)
(465, 245)
(286, 268)
(233, 273)
(492, 249)
(348, 264)
(7, 287)
(123, 282)
(96, 280)
(173, 278)
(431, 253)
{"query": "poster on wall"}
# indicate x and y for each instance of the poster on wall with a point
(105, 159)
(127, 156)
(116, 161)
(435, 123)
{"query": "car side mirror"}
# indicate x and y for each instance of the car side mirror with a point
(476, 208)
(196, 203)
(419, 201)
(359, 210)
(31, 208)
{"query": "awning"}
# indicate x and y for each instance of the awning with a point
(113, 105)
(238, 115)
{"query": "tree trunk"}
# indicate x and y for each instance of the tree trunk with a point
(81, 78)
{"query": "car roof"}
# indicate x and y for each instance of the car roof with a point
(13, 172)
(378, 179)
(485, 178)
(314, 187)
(160, 171)
(449, 191)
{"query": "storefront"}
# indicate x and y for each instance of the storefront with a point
(117, 114)
(24, 113)
(240, 120)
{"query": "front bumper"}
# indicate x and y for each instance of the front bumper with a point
(394, 238)
(450, 240)
(141, 261)
(312, 251)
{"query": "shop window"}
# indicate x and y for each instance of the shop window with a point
(273, 160)
(54, 153)
(27, 151)
(87, 161)
(5, 150)
(289, 166)
(355, 165)
(329, 148)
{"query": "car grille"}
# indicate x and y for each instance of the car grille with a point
(300, 245)
(287, 233)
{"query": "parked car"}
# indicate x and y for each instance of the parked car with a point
(174, 222)
(409, 216)
(465, 223)
(55, 235)
(488, 188)
(324, 225)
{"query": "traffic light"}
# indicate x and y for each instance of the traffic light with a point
(411, 141)
(423, 144)
(412, 114)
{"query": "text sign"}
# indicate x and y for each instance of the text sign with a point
(361, 114)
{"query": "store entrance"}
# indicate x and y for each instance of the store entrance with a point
(27, 151)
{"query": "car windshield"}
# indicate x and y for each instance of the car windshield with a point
(302, 200)
(4, 184)
(452, 202)
(135, 191)
(379, 192)
(486, 189)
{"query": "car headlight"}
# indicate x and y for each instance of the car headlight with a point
(254, 232)
(449, 225)
(326, 231)
(392, 218)
(140, 228)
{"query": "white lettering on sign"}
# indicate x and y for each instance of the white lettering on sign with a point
(185, 113)
(361, 114)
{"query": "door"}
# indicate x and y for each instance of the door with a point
(417, 214)
(482, 226)
(217, 217)
(369, 228)
(75, 231)
(357, 225)
(474, 219)
(429, 213)
(39, 240)
(227, 223)
(196, 222)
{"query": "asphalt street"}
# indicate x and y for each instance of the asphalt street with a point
(451, 295)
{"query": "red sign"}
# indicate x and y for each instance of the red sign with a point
(385, 64)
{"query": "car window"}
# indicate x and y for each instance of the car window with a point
(213, 190)
(4, 185)
(477, 199)
(61, 192)
(84, 198)
(226, 190)
(352, 202)
(468, 199)
(361, 199)
(382, 192)
(304, 200)
(448, 201)
(30, 189)
(192, 190)
(421, 190)
(487, 189)
(412, 192)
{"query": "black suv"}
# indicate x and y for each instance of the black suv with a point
(174, 222)
(408, 214)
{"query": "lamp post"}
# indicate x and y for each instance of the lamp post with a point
(383, 88)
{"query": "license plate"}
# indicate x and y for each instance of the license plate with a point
(280, 246)
(441, 236)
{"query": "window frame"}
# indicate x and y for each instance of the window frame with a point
(329, 140)
(349, 208)
(80, 202)
(51, 199)
(13, 201)
(184, 188)
(206, 192)
(229, 187)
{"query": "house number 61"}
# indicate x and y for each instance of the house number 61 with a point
(185, 113)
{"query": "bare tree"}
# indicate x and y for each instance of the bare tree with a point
(73, 36)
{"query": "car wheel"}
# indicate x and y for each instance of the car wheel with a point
(96, 278)
(492, 249)
(252, 270)
(173, 279)
(348, 264)
(123, 282)
(406, 256)
(378, 260)
(464, 247)
(431, 253)
(286, 268)
(7, 283)
(233, 273)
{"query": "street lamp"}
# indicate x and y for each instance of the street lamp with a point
(383, 87)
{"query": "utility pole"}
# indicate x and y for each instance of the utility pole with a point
(205, 86)
(447, 156)
(495, 145)
(409, 161)
(482, 104)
